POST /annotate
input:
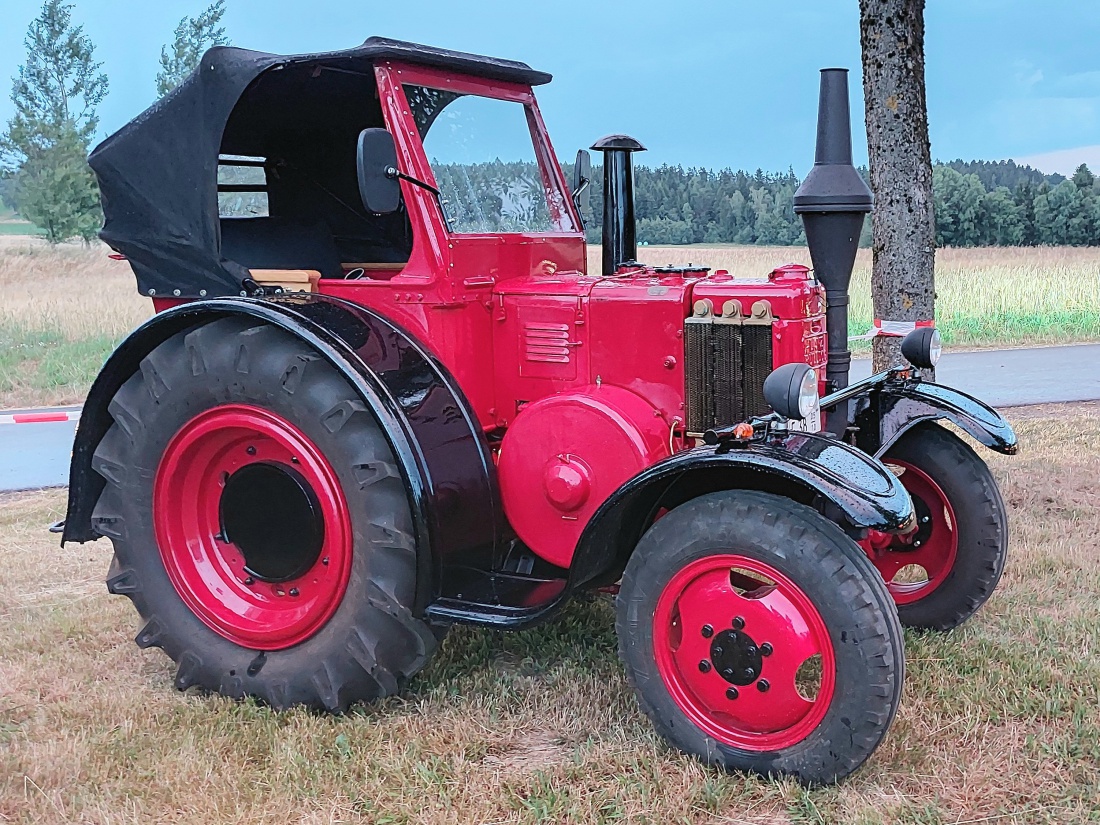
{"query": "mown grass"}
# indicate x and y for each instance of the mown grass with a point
(998, 721)
(62, 310)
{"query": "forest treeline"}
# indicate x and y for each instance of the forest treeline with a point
(978, 203)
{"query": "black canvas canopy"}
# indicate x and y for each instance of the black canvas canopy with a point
(158, 175)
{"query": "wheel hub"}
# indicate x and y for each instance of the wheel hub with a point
(932, 547)
(736, 657)
(770, 631)
(253, 527)
(271, 514)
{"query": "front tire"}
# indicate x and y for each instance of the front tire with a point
(759, 638)
(260, 523)
(943, 572)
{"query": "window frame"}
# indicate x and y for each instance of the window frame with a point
(563, 212)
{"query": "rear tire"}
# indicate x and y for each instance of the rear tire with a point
(722, 605)
(962, 527)
(325, 630)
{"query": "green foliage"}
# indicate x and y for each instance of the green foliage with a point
(56, 191)
(978, 203)
(45, 146)
(193, 36)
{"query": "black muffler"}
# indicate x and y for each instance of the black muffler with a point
(620, 241)
(833, 201)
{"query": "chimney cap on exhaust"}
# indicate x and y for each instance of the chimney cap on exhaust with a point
(618, 142)
(833, 185)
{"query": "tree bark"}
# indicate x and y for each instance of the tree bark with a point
(902, 223)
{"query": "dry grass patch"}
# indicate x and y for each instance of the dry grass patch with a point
(63, 310)
(998, 723)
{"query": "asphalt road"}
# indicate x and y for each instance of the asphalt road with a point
(37, 455)
(1015, 377)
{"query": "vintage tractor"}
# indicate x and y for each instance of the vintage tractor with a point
(383, 394)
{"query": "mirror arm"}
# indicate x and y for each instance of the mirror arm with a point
(392, 173)
(577, 192)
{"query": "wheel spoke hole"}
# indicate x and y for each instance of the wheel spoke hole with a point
(910, 574)
(750, 584)
(807, 679)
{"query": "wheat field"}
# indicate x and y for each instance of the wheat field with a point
(63, 309)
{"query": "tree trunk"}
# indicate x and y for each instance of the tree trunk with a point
(903, 224)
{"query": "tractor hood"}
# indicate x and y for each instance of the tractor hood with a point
(158, 174)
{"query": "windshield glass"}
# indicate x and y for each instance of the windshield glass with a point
(484, 163)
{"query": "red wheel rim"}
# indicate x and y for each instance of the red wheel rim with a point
(208, 572)
(933, 545)
(710, 619)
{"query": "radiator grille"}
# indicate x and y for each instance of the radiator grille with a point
(726, 362)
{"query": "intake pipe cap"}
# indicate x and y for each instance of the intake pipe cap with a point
(834, 184)
(833, 201)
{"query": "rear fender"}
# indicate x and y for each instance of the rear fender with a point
(439, 445)
(846, 484)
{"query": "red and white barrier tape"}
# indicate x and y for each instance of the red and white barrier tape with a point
(39, 416)
(891, 329)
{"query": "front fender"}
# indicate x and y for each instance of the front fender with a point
(886, 407)
(850, 486)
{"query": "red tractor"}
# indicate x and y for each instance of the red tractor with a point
(383, 394)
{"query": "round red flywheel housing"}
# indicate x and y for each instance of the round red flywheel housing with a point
(565, 454)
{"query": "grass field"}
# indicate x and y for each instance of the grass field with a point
(64, 309)
(998, 723)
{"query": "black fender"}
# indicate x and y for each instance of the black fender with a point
(849, 487)
(440, 447)
(886, 405)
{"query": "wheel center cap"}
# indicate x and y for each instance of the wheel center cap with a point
(736, 657)
(273, 517)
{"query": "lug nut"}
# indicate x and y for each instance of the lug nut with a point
(731, 693)
(704, 666)
(750, 673)
(766, 649)
(717, 650)
(750, 650)
(728, 673)
(250, 450)
(738, 623)
(763, 686)
(708, 631)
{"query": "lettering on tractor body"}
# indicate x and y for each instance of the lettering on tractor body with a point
(383, 393)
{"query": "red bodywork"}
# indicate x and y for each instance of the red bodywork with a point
(577, 378)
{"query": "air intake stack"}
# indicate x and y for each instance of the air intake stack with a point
(620, 243)
(833, 200)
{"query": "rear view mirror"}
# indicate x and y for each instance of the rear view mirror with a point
(376, 165)
(582, 176)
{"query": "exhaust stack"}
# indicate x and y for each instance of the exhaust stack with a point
(620, 242)
(833, 200)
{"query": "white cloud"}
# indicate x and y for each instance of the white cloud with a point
(1064, 161)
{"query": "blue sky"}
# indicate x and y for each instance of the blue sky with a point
(704, 83)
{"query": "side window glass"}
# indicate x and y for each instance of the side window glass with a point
(242, 187)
